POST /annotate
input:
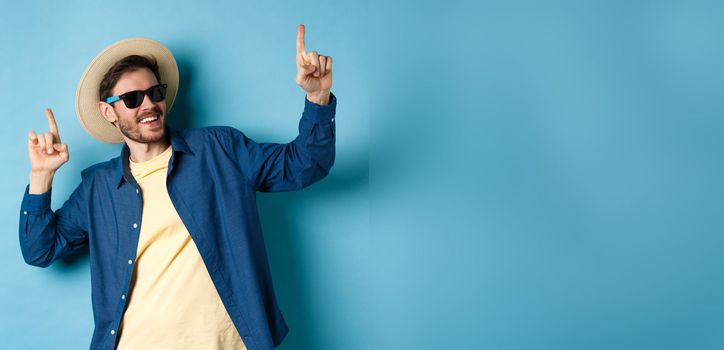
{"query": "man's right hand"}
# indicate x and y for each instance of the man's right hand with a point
(47, 154)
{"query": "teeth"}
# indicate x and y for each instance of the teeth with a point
(149, 119)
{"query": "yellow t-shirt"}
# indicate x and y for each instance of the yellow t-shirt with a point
(173, 303)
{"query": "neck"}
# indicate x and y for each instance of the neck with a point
(141, 152)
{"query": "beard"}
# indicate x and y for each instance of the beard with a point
(132, 129)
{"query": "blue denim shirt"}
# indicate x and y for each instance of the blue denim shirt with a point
(212, 179)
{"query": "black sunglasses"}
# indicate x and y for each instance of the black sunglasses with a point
(133, 99)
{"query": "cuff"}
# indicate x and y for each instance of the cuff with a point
(35, 202)
(319, 113)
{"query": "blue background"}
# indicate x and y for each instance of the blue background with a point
(509, 175)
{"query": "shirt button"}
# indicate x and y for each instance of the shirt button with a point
(130, 262)
(25, 212)
(136, 190)
(332, 119)
(123, 297)
(135, 225)
(113, 331)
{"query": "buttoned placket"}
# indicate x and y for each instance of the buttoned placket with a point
(135, 230)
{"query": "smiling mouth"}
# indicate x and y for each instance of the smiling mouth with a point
(150, 119)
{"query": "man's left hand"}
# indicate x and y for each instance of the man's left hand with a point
(314, 71)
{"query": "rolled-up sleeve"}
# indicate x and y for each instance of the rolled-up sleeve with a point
(46, 235)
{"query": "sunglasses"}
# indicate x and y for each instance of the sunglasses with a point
(133, 99)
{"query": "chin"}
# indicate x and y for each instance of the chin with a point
(156, 135)
(140, 134)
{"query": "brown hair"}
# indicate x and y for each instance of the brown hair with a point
(126, 64)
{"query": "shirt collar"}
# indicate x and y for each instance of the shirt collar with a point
(178, 144)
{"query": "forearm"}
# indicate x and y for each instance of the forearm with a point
(297, 164)
(37, 229)
(46, 235)
(40, 182)
(314, 148)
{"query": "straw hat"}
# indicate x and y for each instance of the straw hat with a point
(86, 97)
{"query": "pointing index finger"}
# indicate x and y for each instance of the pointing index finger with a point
(300, 39)
(51, 123)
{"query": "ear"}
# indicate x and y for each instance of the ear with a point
(107, 112)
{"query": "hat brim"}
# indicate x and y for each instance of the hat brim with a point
(86, 97)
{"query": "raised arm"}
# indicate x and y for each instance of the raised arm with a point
(275, 167)
(46, 235)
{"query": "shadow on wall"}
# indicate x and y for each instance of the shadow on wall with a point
(276, 212)
(287, 259)
(182, 112)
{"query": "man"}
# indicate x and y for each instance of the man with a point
(177, 256)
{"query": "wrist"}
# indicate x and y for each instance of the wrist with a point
(319, 97)
(41, 181)
(41, 174)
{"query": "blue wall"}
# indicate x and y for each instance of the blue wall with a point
(509, 175)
